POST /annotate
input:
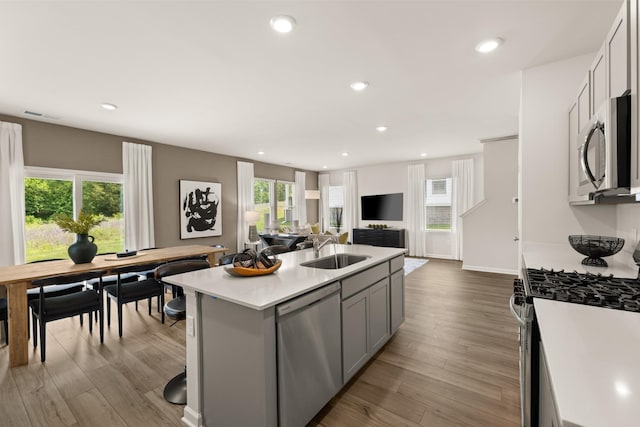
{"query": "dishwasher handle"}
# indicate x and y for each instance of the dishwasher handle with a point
(307, 299)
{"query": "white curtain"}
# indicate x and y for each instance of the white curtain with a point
(138, 196)
(350, 211)
(416, 224)
(323, 183)
(245, 201)
(12, 240)
(301, 202)
(462, 173)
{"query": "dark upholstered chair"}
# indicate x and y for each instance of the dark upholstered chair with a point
(51, 291)
(122, 293)
(176, 390)
(4, 317)
(48, 308)
(275, 250)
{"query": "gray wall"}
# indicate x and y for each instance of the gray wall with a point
(55, 146)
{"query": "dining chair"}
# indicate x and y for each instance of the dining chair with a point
(4, 317)
(51, 291)
(122, 293)
(176, 389)
(48, 308)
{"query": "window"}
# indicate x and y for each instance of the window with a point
(285, 202)
(438, 204)
(274, 197)
(336, 205)
(51, 191)
(262, 191)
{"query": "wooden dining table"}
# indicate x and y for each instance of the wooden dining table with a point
(18, 278)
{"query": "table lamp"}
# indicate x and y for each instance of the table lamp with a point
(251, 217)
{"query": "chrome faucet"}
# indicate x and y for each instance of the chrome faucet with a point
(317, 245)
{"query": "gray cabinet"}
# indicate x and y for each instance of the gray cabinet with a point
(355, 334)
(365, 326)
(379, 315)
(396, 295)
(365, 316)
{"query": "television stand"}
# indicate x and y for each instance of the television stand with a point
(387, 237)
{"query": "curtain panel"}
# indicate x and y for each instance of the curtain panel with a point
(416, 222)
(323, 183)
(138, 196)
(350, 211)
(12, 242)
(245, 201)
(301, 202)
(462, 173)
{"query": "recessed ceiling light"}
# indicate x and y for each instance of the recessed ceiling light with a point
(260, 153)
(282, 23)
(489, 45)
(345, 154)
(324, 166)
(109, 106)
(423, 154)
(382, 128)
(359, 86)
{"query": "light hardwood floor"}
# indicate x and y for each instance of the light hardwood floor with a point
(453, 362)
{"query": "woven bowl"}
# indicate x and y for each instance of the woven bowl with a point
(596, 247)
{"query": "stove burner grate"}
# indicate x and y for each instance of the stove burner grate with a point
(584, 288)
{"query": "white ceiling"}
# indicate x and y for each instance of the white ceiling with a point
(212, 75)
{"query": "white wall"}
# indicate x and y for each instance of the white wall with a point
(489, 229)
(392, 178)
(628, 221)
(546, 216)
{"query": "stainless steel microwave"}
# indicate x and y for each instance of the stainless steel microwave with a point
(604, 150)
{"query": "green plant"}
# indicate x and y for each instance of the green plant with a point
(84, 223)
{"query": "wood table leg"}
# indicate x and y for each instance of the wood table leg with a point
(18, 342)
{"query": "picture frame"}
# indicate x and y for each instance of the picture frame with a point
(200, 209)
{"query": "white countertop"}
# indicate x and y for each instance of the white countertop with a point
(289, 281)
(560, 256)
(592, 355)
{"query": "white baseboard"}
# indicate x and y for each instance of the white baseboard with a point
(192, 418)
(440, 256)
(490, 269)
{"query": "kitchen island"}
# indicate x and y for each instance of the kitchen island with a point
(231, 339)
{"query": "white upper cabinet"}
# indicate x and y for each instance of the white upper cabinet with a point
(634, 46)
(573, 158)
(617, 54)
(584, 103)
(598, 80)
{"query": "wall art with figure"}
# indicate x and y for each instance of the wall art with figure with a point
(200, 209)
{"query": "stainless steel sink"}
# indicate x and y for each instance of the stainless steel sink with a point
(334, 262)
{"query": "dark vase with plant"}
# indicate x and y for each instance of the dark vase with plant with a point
(83, 250)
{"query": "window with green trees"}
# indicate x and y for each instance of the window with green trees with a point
(262, 191)
(52, 191)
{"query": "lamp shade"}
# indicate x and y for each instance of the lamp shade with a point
(251, 217)
(312, 194)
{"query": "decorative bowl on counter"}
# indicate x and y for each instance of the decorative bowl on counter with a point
(238, 270)
(596, 247)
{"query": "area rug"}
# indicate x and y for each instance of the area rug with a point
(411, 264)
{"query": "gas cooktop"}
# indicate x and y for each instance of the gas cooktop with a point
(584, 288)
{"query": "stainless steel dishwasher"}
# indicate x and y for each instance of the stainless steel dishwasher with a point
(309, 354)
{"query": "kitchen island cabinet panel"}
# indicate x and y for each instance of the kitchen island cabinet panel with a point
(355, 334)
(396, 303)
(379, 315)
(239, 357)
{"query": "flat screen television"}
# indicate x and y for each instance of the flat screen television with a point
(381, 207)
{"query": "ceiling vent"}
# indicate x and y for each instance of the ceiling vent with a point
(36, 114)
